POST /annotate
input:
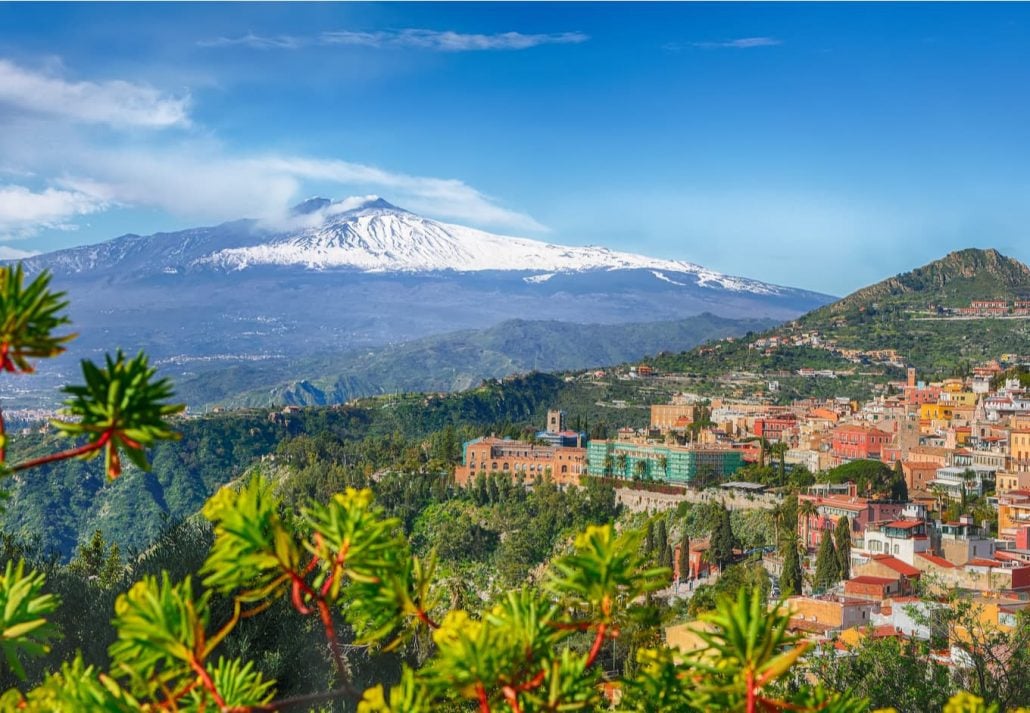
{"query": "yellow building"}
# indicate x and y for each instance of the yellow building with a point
(959, 398)
(1013, 513)
(936, 412)
(1005, 481)
(1019, 449)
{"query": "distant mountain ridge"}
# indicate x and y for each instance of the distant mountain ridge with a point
(362, 273)
(914, 314)
(952, 280)
(455, 361)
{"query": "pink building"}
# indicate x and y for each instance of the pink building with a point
(859, 442)
(831, 508)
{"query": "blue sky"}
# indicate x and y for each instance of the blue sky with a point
(819, 146)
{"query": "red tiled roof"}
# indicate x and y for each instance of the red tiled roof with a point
(869, 579)
(904, 524)
(981, 562)
(934, 559)
(897, 565)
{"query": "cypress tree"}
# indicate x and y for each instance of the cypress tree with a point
(661, 537)
(842, 540)
(684, 558)
(668, 557)
(826, 566)
(722, 540)
(649, 538)
(790, 577)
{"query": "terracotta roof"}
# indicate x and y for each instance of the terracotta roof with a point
(813, 627)
(934, 559)
(981, 562)
(904, 524)
(897, 565)
(870, 579)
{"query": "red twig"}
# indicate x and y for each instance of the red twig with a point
(330, 633)
(424, 618)
(64, 455)
(6, 363)
(205, 679)
(513, 699)
(484, 702)
(598, 640)
(749, 681)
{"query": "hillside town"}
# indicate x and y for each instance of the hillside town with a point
(947, 509)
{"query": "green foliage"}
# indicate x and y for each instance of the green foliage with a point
(98, 563)
(890, 672)
(29, 316)
(744, 577)
(791, 576)
(842, 546)
(119, 410)
(24, 629)
(723, 542)
(872, 477)
(827, 564)
(748, 651)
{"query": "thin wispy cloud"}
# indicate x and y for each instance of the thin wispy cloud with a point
(115, 102)
(421, 39)
(741, 43)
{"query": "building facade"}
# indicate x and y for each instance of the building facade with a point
(651, 461)
(521, 461)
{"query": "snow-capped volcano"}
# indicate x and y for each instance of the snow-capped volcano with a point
(371, 235)
(360, 273)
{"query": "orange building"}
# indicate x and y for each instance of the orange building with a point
(521, 461)
(668, 416)
(918, 475)
(859, 442)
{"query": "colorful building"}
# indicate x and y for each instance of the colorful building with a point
(829, 508)
(651, 461)
(859, 442)
(521, 461)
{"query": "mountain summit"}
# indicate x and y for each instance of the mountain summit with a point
(951, 281)
(372, 235)
(362, 273)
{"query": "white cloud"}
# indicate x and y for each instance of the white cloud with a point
(740, 43)
(23, 211)
(198, 183)
(9, 253)
(446, 197)
(411, 38)
(114, 102)
(191, 175)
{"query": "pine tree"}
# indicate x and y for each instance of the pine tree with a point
(684, 558)
(661, 537)
(842, 540)
(790, 577)
(826, 566)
